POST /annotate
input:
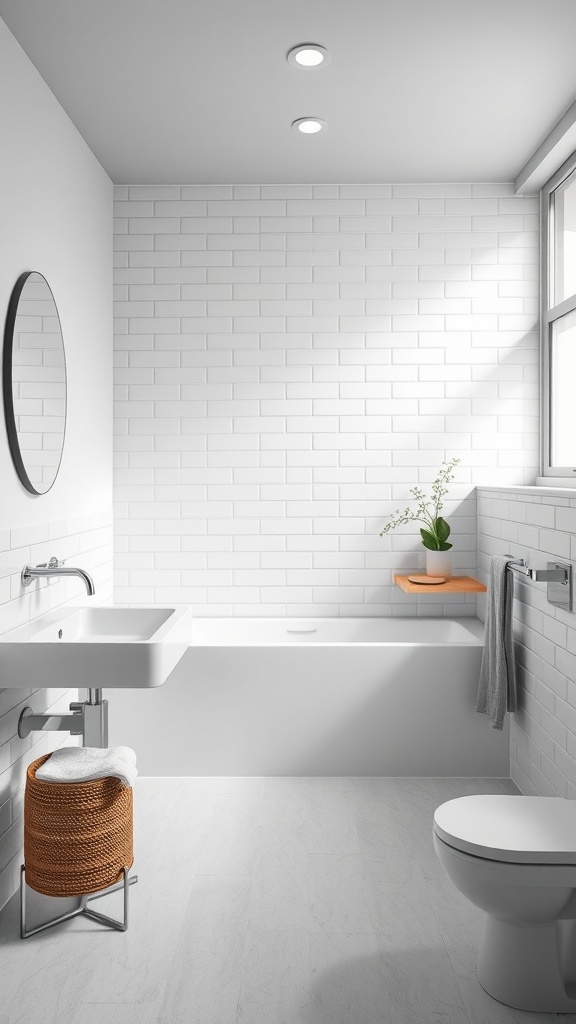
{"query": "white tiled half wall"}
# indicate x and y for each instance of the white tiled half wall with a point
(87, 542)
(537, 526)
(290, 360)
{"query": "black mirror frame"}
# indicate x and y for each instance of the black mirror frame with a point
(9, 416)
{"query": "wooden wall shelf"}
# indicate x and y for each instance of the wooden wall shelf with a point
(454, 585)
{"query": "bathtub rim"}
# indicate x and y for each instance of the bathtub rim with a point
(472, 624)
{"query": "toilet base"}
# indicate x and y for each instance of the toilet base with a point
(521, 965)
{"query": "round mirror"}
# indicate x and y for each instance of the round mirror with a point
(34, 382)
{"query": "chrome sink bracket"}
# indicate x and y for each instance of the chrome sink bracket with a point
(95, 713)
(88, 719)
(29, 722)
(82, 908)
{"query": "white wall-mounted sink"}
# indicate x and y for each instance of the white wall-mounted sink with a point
(111, 647)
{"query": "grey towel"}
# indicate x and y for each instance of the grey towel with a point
(497, 686)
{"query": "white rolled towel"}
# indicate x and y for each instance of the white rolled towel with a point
(80, 764)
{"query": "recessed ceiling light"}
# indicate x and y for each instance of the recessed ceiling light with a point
(309, 125)
(308, 55)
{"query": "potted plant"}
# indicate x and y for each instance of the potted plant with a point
(436, 530)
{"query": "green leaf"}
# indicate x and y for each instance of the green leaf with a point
(442, 530)
(429, 540)
(444, 546)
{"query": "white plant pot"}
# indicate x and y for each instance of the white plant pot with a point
(439, 563)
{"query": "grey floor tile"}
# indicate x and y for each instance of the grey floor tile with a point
(460, 924)
(133, 968)
(239, 784)
(44, 982)
(380, 825)
(276, 978)
(417, 799)
(507, 786)
(349, 984)
(290, 787)
(280, 890)
(374, 788)
(339, 896)
(115, 1013)
(331, 820)
(452, 789)
(283, 824)
(422, 986)
(396, 867)
(203, 982)
(402, 914)
(232, 835)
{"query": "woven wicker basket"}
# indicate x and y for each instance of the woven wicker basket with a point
(77, 836)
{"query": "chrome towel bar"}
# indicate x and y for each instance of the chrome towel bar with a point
(558, 576)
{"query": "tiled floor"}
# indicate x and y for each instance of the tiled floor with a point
(275, 901)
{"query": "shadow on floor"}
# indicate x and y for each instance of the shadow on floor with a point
(414, 985)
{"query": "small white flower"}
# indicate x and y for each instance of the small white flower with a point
(428, 509)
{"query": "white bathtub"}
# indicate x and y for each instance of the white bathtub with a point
(317, 697)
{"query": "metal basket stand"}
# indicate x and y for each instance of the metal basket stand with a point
(83, 908)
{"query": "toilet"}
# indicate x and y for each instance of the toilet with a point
(514, 857)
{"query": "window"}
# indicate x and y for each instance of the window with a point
(559, 322)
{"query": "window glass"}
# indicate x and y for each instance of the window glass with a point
(562, 391)
(564, 243)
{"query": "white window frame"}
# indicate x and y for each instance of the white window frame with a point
(549, 315)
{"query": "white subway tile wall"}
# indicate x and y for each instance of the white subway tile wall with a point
(86, 541)
(290, 360)
(537, 527)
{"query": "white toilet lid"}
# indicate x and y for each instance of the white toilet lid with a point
(515, 829)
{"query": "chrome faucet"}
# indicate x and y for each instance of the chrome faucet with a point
(55, 568)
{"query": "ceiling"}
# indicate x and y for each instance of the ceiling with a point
(199, 91)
